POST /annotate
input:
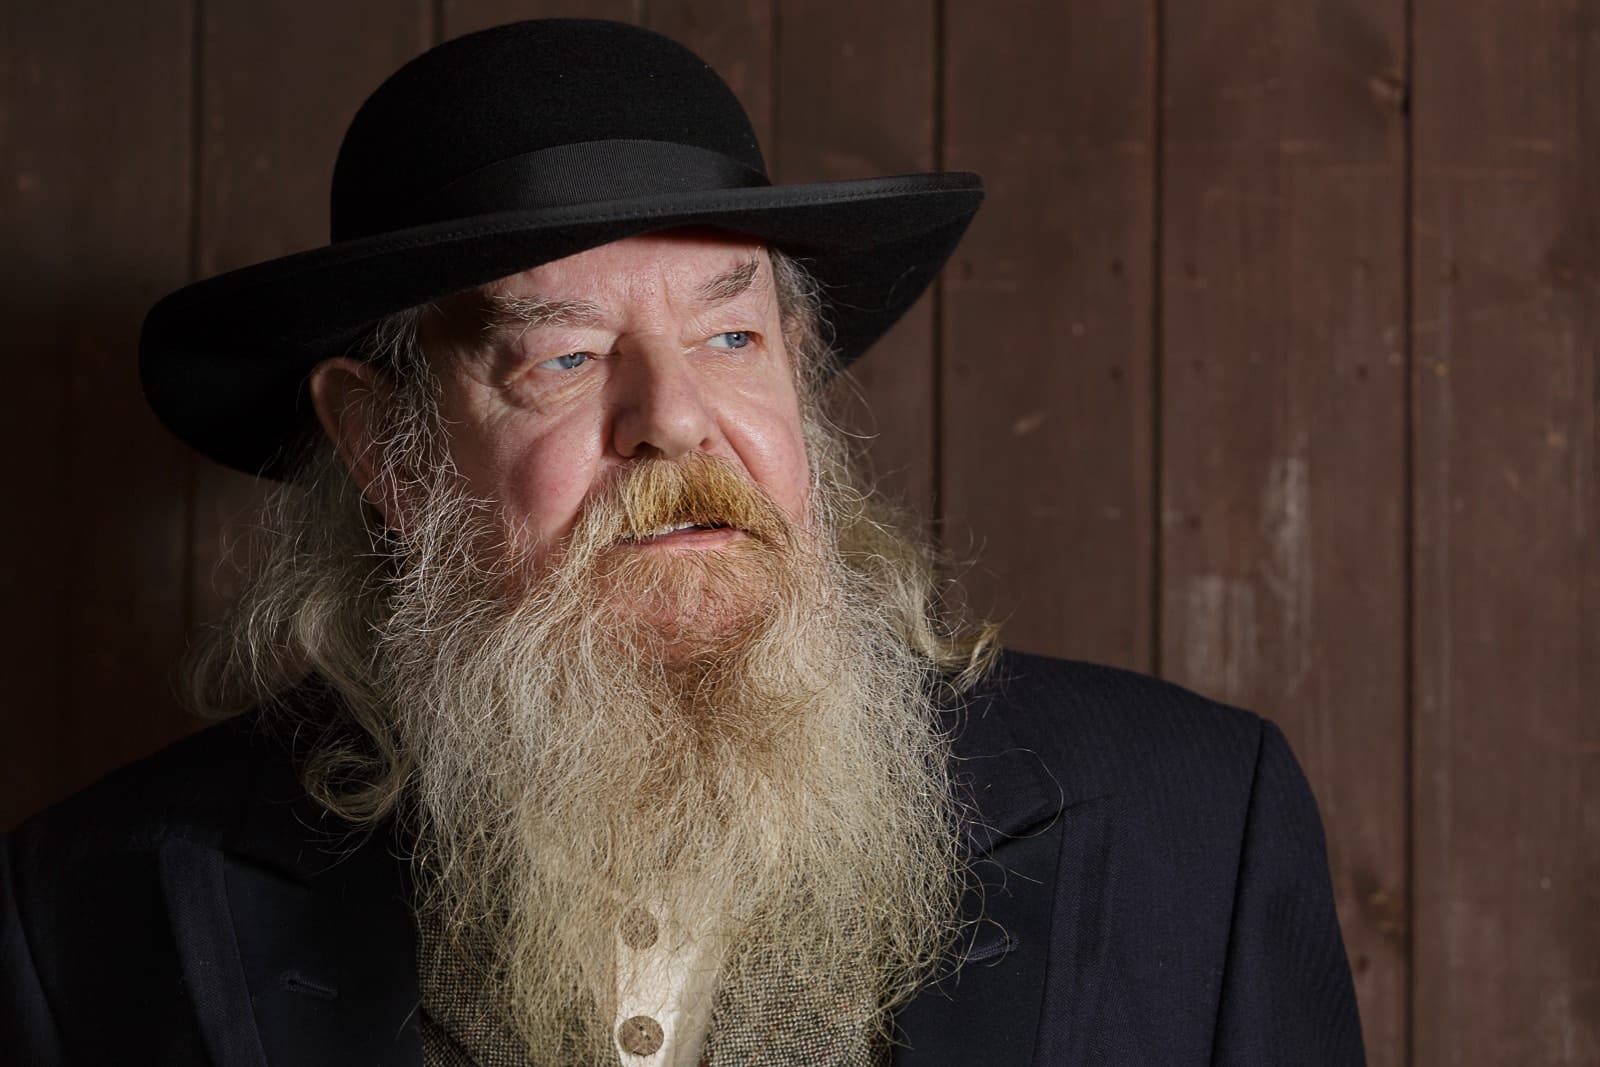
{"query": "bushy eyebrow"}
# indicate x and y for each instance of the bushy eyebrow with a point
(730, 283)
(502, 311)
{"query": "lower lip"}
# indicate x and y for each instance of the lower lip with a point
(690, 538)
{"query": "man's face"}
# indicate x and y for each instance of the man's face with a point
(653, 347)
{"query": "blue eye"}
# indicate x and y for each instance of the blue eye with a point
(731, 340)
(568, 362)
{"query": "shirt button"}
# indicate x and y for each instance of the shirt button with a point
(640, 1036)
(638, 929)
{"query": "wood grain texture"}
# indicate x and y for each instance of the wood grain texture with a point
(736, 38)
(94, 224)
(857, 91)
(1507, 282)
(465, 16)
(1045, 434)
(275, 103)
(1283, 419)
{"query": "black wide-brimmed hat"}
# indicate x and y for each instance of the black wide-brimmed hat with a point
(499, 151)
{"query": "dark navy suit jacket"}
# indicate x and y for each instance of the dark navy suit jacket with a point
(1155, 892)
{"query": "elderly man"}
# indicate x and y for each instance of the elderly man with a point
(599, 714)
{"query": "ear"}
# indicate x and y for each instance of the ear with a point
(350, 397)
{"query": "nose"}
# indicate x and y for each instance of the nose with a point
(659, 404)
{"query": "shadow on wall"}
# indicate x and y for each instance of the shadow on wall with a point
(98, 568)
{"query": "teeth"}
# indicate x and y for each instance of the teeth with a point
(663, 530)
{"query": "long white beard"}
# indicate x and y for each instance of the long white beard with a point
(739, 739)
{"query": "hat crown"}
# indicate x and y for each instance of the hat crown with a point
(527, 87)
(495, 153)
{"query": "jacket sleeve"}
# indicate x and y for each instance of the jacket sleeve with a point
(1287, 993)
(27, 1029)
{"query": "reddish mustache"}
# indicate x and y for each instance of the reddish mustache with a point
(697, 489)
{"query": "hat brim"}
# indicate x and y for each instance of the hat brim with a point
(224, 361)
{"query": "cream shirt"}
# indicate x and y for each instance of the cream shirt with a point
(666, 982)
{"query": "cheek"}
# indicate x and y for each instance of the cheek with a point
(545, 493)
(795, 491)
(537, 476)
(771, 445)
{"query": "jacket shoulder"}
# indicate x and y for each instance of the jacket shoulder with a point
(190, 789)
(1192, 855)
(1107, 730)
(84, 906)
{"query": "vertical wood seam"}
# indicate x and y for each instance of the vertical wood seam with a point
(1155, 592)
(197, 134)
(773, 75)
(775, 87)
(1408, 520)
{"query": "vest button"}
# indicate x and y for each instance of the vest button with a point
(640, 1036)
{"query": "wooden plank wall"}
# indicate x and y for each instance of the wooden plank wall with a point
(1270, 367)
(1282, 429)
(1505, 332)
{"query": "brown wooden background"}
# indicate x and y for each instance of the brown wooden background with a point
(1270, 366)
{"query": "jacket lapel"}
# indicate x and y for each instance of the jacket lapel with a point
(987, 1010)
(296, 940)
(208, 957)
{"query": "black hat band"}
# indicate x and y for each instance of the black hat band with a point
(583, 173)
